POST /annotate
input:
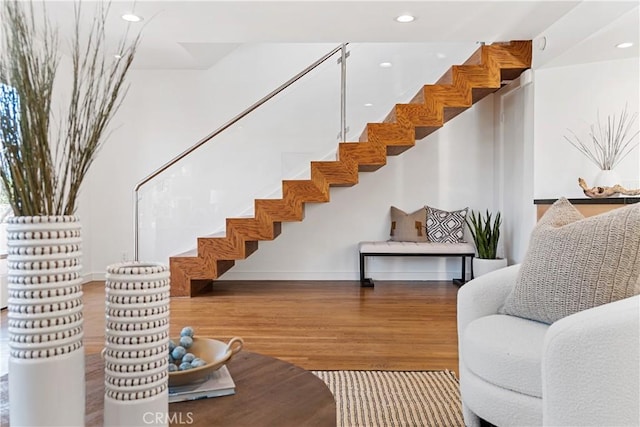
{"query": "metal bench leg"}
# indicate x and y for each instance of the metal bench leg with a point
(464, 269)
(461, 281)
(364, 282)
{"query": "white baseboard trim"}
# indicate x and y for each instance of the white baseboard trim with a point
(317, 276)
(376, 275)
(92, 277)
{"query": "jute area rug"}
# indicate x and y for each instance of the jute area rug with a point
(395, 398)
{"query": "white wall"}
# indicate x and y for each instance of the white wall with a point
(570, 98)
(151, 127)
(534, 160)
(514, 172)
(450, 169)
(164, 113)
(461, 165)
(167, 111)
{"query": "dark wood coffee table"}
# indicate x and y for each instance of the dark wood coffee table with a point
(269, 392)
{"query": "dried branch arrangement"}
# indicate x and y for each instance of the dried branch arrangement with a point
(609, 142)
(601, 192)
(42, 166)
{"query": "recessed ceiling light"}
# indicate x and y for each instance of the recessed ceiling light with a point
(440, 55)
(117, 56)
(368, 104)
(624, 45)
(385, 64)
(405, 18)
(131, 17)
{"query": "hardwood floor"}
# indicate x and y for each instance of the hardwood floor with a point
(321, 325)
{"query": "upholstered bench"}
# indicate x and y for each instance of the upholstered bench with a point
(392, 248)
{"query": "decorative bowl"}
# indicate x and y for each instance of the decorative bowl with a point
(215, 353)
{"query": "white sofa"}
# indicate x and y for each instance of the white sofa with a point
(582, 370)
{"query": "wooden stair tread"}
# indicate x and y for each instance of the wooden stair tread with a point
(433, 105)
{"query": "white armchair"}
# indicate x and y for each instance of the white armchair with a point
(582, 370)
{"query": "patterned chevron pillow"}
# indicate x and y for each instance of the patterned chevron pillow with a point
(408, 227)
(444, 226)
(575, 263)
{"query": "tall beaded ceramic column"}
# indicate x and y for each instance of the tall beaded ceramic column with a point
(46, 362)
(137, 345)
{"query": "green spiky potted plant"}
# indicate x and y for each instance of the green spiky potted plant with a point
(485, 230)
(44, 158)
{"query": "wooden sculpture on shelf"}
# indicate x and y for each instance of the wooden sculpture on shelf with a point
(602, 192)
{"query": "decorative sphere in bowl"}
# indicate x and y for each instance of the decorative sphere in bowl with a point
(215, 354)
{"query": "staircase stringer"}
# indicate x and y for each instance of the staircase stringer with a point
(457, 90)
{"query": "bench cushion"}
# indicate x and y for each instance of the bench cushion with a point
(389, 247)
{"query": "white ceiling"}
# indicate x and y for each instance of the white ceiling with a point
(195, 34)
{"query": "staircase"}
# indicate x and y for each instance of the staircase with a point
(458, 89)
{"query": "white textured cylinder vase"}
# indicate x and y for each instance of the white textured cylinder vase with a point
(137, 345)
(45, 322)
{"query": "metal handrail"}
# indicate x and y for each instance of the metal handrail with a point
(228, 124)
